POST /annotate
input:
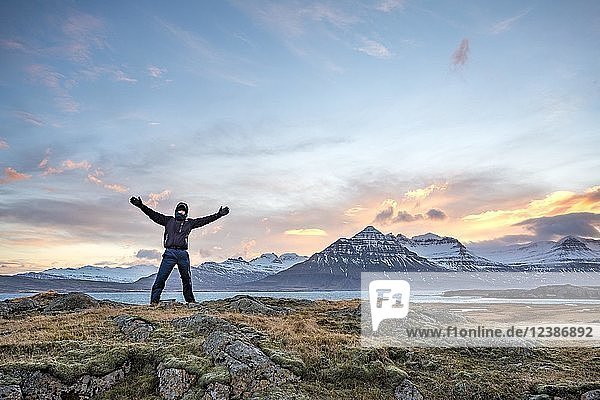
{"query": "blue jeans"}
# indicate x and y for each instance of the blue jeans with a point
(169, 259)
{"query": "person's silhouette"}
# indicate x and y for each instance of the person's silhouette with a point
(177, 230)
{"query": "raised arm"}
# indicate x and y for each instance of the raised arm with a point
(198, 222)
(157, 217)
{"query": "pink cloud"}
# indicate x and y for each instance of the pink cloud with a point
(70, 164)
(154, 198)
(3, 144)
(30, 118)
(116, 188)
(12, 175)
(461, 54)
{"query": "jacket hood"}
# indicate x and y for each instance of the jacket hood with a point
(182, 206)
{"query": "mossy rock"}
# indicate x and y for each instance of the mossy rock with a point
(286, 360)
(190, 362)
(375, 372)
(565, 389)
(217, 374)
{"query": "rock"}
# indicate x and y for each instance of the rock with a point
(10, 392)
(407, 391)
(591, 395)
(88, 385)
(173, 383)
(71, 302)
(540, 397)
(217, 391)
(250, 369)
(41, 385)
(249, 305)
(205, 324)
(135, 328)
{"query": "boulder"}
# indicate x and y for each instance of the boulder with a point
(173, 383)
(591, 395)
(135, 328)
(217, 391)
(10, 392)
(249, 305)
(407, 391)
(71, 302)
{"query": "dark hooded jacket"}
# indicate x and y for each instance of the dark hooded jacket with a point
(177, 231)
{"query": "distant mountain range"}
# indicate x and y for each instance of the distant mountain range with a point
(337, 267)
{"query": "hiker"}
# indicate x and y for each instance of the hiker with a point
(175, 240)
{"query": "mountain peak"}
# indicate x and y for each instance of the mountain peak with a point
(370, 229)
(427, 236)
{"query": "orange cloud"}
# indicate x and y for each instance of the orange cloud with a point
(12, 175)
(154, 198)
(422, 193)
(556, 203)
(306, 232)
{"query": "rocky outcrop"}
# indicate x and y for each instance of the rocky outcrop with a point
(232, 347)
(43, 386)
(10, 392)
(51, 303)
(173, 383)
(407, 391)
(249, 305)
(591, 395)
(135, 328)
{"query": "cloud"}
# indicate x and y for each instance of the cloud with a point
(3, 144)
(374, 49)
(555, 203)
(506, 24)
(67, 165)
(461, 54)
(422, 193)
(30, 118)
(116, 188)
(156, 72)
(121, 76)
(55, 82)
(83, 33)
(404, 216)
(390, 5)
(11, 175)
(578, 224)
(95, 178)
(436, 214)
(70, 164)
(44, 162)
(293, 20)
(390, 214)
(154, 198)
(149, 254)
(306, 232)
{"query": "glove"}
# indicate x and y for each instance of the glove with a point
(223, 211)
(136, 201)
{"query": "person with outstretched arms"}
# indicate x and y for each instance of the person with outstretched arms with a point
(175, 241)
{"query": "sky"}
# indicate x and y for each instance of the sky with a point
(309, 119)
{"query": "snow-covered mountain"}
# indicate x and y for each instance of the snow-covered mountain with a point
(231, 272)
(447, 251)
(567, 253)
(339, 265)
(96, 273)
